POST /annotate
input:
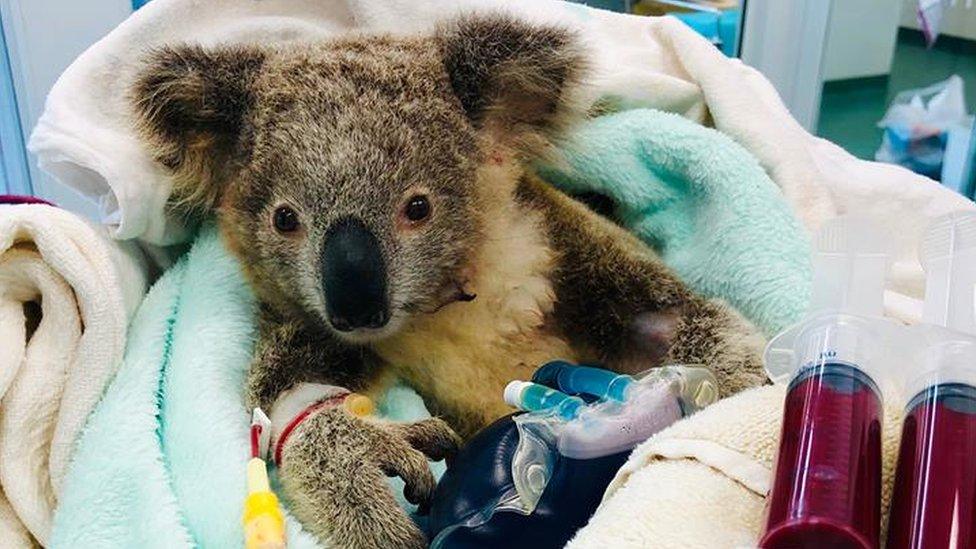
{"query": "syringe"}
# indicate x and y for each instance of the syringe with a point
(934, 501)
(827, 484)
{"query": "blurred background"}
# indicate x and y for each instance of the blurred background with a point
(888, 80)
(893, 80)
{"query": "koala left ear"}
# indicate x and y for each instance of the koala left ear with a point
(511, 76)
(191, 104)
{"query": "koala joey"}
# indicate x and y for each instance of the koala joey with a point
(375, 191)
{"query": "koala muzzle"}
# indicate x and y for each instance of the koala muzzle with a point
(354, 277)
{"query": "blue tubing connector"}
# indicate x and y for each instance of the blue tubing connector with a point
(532, 397)
(587, 380)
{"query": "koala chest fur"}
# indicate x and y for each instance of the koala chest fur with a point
(461, 357)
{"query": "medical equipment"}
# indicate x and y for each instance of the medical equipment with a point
(827, 485)
(934, 500)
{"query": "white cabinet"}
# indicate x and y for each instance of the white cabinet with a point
(861, 38)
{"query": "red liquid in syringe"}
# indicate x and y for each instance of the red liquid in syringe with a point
(827, 484)
(934, 502)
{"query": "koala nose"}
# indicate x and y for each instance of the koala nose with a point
(354, 277)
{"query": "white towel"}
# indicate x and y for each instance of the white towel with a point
(67, 291)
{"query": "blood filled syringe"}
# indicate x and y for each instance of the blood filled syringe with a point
(826, 489)
(934, 500)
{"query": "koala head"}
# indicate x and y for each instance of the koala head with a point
(349, 175)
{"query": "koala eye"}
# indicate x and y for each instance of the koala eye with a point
(285, 219)
(417, 208)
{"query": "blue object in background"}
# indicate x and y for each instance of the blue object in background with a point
(14, 175)
(729, 25)
(959, 161)
(136, 4)
(612, 5)
(722, 29)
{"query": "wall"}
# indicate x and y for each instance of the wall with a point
(861, 38)
(958, 20)
(44, 37)
(13, 158)
(784, 40)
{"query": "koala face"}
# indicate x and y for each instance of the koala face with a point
(359, 198)
(345, 174)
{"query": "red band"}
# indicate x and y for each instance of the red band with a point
(256, 440)
(22, 199)
(330, 402)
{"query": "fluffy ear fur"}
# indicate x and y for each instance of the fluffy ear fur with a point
(511, 76)
(191, 105)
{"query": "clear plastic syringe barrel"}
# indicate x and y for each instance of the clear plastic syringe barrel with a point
(827, 478)
(827, 481)
(934, 501)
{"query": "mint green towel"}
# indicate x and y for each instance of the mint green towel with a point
(162, 460)
(161, 463)
(702, 201)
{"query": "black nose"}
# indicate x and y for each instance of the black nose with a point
(354, 276)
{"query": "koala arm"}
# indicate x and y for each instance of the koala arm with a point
(617, 297)
(333, 465)
(291, 351)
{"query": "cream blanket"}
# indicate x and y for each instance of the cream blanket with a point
(702, 483)
(66, 293)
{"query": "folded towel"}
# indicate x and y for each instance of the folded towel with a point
(162, 461)
(66, 293)
(702, 201)
(703, 482)
(85, 136)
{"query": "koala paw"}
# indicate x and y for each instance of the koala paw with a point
(334, 470)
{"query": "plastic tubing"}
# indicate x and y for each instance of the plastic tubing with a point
(573, 379)
(532, 397)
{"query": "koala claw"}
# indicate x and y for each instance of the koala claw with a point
(333, 471)
(403, 461)
(431, 436)
(428, 438)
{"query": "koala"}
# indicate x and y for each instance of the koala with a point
(377, 192)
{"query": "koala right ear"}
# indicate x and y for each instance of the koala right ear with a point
(512, 77)
(191, 105)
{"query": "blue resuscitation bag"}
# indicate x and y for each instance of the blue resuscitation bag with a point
(532, 479)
